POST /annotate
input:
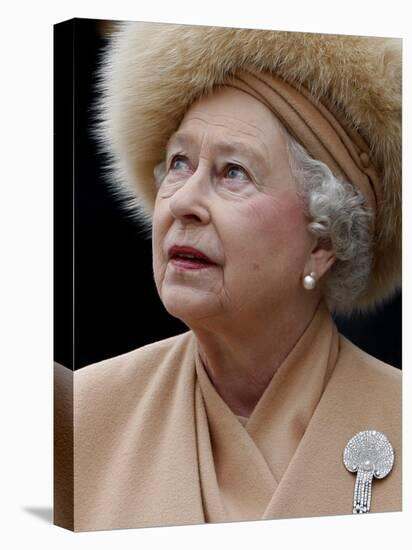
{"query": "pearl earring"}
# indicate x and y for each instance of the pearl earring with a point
(309, 281)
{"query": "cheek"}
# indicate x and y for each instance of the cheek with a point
(276, 228)
(281, 216)
(283, 212)
(159, 229)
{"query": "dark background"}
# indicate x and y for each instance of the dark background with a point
(116, 305)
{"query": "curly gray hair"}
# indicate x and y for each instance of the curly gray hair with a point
(339, 216)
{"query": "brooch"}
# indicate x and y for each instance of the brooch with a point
(370, 454)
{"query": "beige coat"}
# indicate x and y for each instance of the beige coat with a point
(154, 444)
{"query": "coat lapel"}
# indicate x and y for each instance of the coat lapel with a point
(241, 466)
(316, 483)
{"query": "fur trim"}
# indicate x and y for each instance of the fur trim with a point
(153, 72)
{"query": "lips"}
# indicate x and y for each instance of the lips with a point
(187, 257)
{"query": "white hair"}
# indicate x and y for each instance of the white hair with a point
(338, 216)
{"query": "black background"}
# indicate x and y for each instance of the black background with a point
(117, 308)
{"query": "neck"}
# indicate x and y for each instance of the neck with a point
(241, 361)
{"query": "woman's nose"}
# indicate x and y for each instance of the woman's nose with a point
(189, 203)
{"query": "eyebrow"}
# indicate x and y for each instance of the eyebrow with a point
(229, 147)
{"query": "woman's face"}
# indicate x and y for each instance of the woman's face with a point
(228, 195)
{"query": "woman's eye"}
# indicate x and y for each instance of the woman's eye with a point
(179, 163)
(234, 171)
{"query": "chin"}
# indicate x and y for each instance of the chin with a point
(188, 306)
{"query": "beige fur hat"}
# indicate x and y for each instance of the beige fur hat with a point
(153, 72)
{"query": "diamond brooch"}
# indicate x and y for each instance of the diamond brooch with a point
(370, 454)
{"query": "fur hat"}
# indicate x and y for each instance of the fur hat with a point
(153, 72)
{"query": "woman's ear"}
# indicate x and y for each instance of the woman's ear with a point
(321, 258)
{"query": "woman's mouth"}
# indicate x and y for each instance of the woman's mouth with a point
(189, 258)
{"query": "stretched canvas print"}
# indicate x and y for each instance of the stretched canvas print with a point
(227, 275)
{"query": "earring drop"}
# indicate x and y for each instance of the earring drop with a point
(309, 281)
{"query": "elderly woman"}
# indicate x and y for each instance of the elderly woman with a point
(268, 165)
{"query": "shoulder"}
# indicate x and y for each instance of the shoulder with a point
(368, 384)
(107, 394)
(136, 366)
(369, 368)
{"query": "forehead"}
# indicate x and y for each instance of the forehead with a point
(235, 115)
